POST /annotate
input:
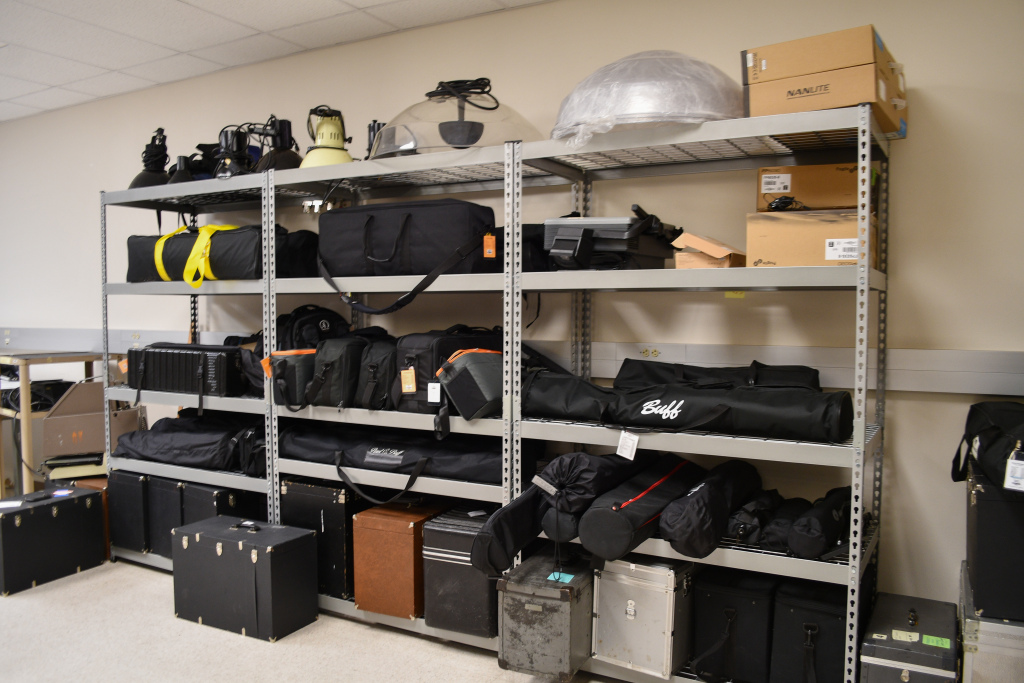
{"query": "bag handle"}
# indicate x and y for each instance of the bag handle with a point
(730, 616)
(959, 471)
(158, 253)
(421, 464)
(367, 241)
(453, 260)
(198, 264)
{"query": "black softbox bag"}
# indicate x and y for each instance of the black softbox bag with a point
(624, 517)
(822, 527)
(508, 531)
(565, 397)
(747, 523)
(637, 374)
(209, 442)
(695, 524)
(775, 534)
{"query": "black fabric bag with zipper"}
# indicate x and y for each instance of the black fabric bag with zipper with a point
(337, 366)
(775, 534)
(472, 381)
(307, 326)
(808, 633)
(747, 523)
(291, 372)
(993, 434)
(637, 374)
(823, 527)
(377, 373)
(626, 516)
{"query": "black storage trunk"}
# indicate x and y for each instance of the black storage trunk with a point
(326, 509)
(199, 502)
(456, 595)
(129, 516)
(810, 626)
(995, 554)
(163, 502)
(910, 639)
(49, 535)
(738, 603)
(255, 579)
(188, 369)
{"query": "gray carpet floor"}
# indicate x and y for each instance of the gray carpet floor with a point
(116, 623)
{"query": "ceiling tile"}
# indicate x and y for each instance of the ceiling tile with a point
(344, 28)
(15, 87)
(174, 68)
(173, 25)
(9, 110)
(54, 34)
(413, 13)
(249, 50)
(31, 65)
(53, 98)
(110, 83)
(270, 15)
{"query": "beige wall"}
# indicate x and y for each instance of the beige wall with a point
(955, 239)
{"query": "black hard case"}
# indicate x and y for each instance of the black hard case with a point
(885, 657)
(50, 536)
(326, 509)
(129, 514)
(995, 546)
(258, 581)
(199, 502)
(163, 502)
(456, 595)
(204, 369)
(747, 597)
(810, 626)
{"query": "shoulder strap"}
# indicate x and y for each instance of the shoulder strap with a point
(198, 263)
(416, 471)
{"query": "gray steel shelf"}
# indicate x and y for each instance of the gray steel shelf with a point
(232, 404)
(393, 418)
(209, 287)
(347, 608)
(704, 279)
(703, 443)
(490, 493)
(198, 196)
(230, 480)
(148, 559)
(399, 284)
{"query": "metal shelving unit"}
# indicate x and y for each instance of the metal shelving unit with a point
(232, 480)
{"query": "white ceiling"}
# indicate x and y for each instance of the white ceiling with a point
(58, 53)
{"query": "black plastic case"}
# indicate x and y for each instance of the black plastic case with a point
(995, 551)
(202, 369)
(456, 595)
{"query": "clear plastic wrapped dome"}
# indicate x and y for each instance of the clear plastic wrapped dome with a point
(458, 117)
(647, 89)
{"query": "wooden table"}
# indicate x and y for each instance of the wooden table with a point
(23, 360)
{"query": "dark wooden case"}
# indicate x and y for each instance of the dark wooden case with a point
(327, 509)
(49, 535)
(995, 547)
(456, 595)
(129, 517)
(247, 577)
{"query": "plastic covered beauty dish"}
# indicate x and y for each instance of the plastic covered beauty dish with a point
(456, 115)
(647, 89)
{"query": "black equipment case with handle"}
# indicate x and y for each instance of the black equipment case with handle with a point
(129, 515)
(810, 626)
(995, 554)
(914, 639)
(204, 369)
(165, 512)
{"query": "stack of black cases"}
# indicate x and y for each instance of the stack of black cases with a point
(545, 618)
(910, 639)
(326, 509)
(995, 547)
(456, 595)
(643, 614)
(993, 648)
(48, 535)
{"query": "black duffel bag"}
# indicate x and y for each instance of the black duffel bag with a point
(637, 374)
(747, 523)
(775, 534)
(429, 237)
(993, 434)
(823, 527)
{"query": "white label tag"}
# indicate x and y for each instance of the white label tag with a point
(627, 445)
(906, 636)
(880, 636)
(841, 250)
(433, 393)
(881, 91)
(4, 504)
(750, 60)
(1014, 479)
(764, 65)
(476, 513)
(776, 182)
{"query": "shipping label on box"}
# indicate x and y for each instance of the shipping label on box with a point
(805, 238)
(821, 186)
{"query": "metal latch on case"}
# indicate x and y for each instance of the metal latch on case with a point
(631, 609)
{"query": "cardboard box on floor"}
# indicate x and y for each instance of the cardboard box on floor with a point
(825, 52)
(75, 423)
(708, 253)
(805, 238)
(821, 186)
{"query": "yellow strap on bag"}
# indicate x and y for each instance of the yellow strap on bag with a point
(158, 254)
(197, 266)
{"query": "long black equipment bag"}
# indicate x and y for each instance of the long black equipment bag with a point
(808, 633)
(993, 434)
(695, 523)
(626, 516)
(230, 442)
(775, 534)
(428, 237)
(203, 369)
(635, 373)
(823, 527)
(747, 524)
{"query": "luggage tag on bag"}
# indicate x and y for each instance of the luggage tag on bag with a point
(408, 381)
(627, 445)
(434, 393)
(490, 246)
(1014, 479)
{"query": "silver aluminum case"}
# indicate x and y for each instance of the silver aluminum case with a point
(993, 648)
(643, 615)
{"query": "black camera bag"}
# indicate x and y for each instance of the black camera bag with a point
(775, 534)
(993, 433)
(823, 527)
(337, 366)
(377, 373)
(747, 523)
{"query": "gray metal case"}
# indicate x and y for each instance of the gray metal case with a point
(643, 615)
(895, 650)
(993, 648)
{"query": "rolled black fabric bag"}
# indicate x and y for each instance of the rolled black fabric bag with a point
(775, 535)
(507, 531)
(560, 527)
(565, 397)
(747, 523)
(142, 261)
(695, 523)
(626, 516)
(823, 527)
(639, 374)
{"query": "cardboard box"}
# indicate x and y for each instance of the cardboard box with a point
(825, 52)
(804, 238)
(706, 253)
(830, 90)
(823, 186)
(75, 423)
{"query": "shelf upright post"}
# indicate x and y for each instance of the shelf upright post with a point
(882, 361)
(270, 343)
(582, 194)
(512, 300)
(106, 338)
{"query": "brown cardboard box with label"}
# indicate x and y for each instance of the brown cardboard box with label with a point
(825, 52)
(822, 186)
(75, 423)
(804, 238)
(709, 253)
